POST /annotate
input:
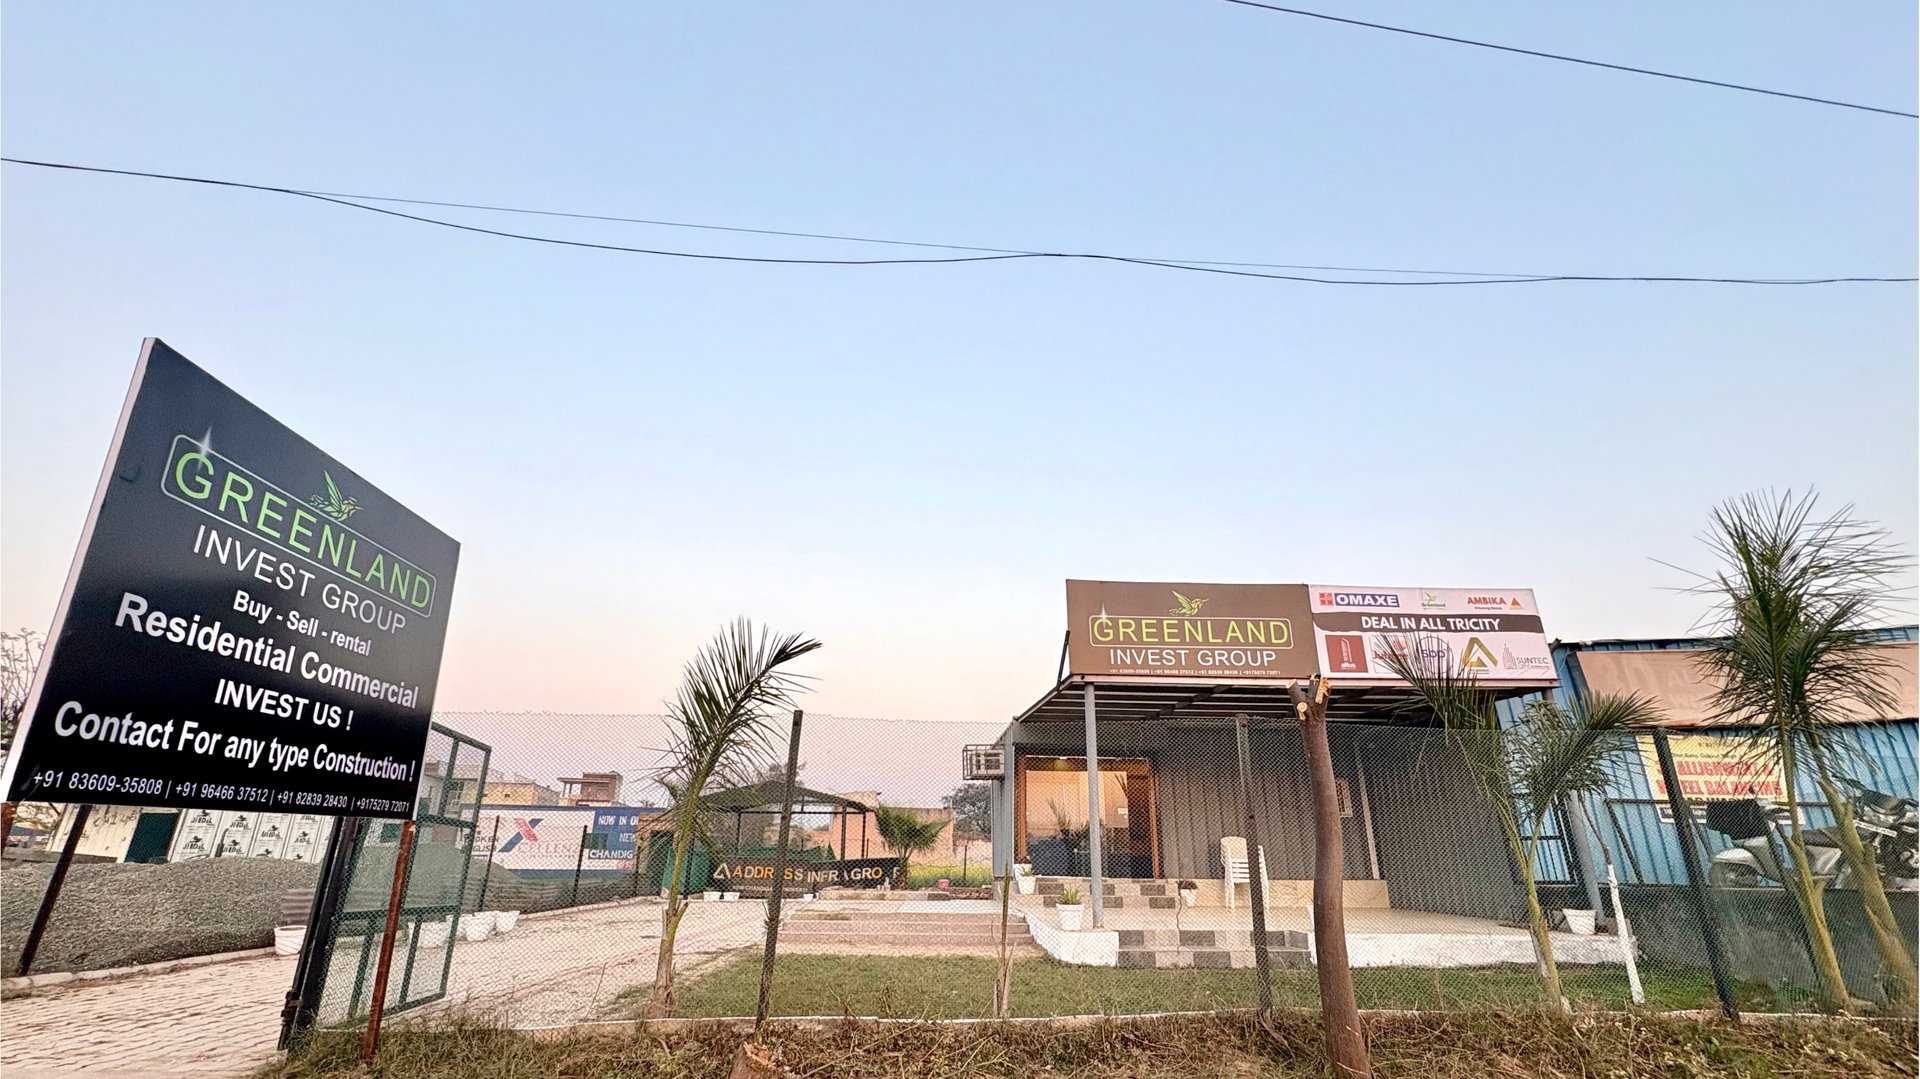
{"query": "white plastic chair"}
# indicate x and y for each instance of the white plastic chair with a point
(1233, 863)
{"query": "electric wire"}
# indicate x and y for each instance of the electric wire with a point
(1571, 59)
(1188, 267)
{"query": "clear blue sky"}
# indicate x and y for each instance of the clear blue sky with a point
(907, 461)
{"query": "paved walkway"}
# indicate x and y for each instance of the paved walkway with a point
(223, 1020)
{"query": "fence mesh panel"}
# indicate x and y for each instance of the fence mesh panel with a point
(1458, 889)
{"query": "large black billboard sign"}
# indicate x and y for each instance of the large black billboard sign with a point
(248, 623)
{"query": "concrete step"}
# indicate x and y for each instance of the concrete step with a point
(1236, 939)
(1119, 902)
(898, 939)
(1221, 958)
(903, 918)
(1112, 887)
(884, 926)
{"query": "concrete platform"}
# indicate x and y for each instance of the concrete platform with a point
(1375, 937)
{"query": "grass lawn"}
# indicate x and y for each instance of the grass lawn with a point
(1509, 1044)
(958, 987)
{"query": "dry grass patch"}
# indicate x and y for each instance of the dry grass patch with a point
(1520, 1044)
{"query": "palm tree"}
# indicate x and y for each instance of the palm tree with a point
(1795, 602)
(1525, 770)
(721, 726)
(906, 833)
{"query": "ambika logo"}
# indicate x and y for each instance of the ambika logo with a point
(523, 829)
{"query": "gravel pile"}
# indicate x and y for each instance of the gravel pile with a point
(116, 915)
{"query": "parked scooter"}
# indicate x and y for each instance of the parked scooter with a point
(1888, 825)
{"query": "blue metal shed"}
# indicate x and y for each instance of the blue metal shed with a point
(1637, 828)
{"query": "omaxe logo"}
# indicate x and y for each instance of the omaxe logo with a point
(523, 828)
(1359, 599)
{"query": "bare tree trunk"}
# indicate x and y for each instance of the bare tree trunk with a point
(660, 1002)
(1826, 961)
(1346, 1038)
(1894, 956)
(1545, 965)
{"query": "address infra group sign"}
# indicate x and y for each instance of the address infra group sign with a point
(248, 623)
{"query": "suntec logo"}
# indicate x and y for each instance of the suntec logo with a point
(523, 829)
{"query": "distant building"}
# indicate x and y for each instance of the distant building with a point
(588, 789)
(508, 789)
(862, 832)
(135, 834)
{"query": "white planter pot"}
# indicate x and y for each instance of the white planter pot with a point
(504, 920)
(475, 929)
(1580, 921)
(710, 896)
(435, 934)
(1026, 884)
(730, 897)
(1188, 897)
(479, 918)
(1070, 915)
(288, 938)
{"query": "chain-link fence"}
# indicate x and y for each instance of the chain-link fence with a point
(537, 901)
(1457, 892)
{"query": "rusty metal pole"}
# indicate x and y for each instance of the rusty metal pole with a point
(52, 895)
(372, 1039)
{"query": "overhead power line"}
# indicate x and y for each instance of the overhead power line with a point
(1228, 269)
(1572, 59)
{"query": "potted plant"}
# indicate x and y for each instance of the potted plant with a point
(1189, 892)
(1069, 908)
(1023, 877)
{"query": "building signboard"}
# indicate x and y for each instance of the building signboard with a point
(1492, 634)
(1714, 769)
(1236, 632)
(248, 625)
(536, 841)
(754, 874)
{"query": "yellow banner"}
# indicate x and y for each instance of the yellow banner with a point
(1713, 769)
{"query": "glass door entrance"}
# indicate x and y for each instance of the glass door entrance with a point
(1052, 813)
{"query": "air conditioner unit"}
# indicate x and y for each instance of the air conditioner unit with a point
(985, 762)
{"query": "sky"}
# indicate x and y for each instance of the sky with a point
(907, 461)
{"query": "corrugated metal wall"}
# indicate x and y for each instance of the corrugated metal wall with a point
(1440, 846)
(1641, 835)
(1197, 794)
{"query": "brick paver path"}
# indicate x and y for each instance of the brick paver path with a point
(223, 1020)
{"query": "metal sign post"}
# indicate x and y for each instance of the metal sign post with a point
(310, 975)
(52, 895)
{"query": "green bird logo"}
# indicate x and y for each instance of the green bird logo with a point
(1187, 606)
(333, 503)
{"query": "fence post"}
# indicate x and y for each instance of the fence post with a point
(493, 844)
(1696, 880)
(54, 885)
(371, 1041)
(579, 860)
(1256, 871)
(779, 879)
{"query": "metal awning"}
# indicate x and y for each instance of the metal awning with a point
(1217, 703)
(773, 792)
